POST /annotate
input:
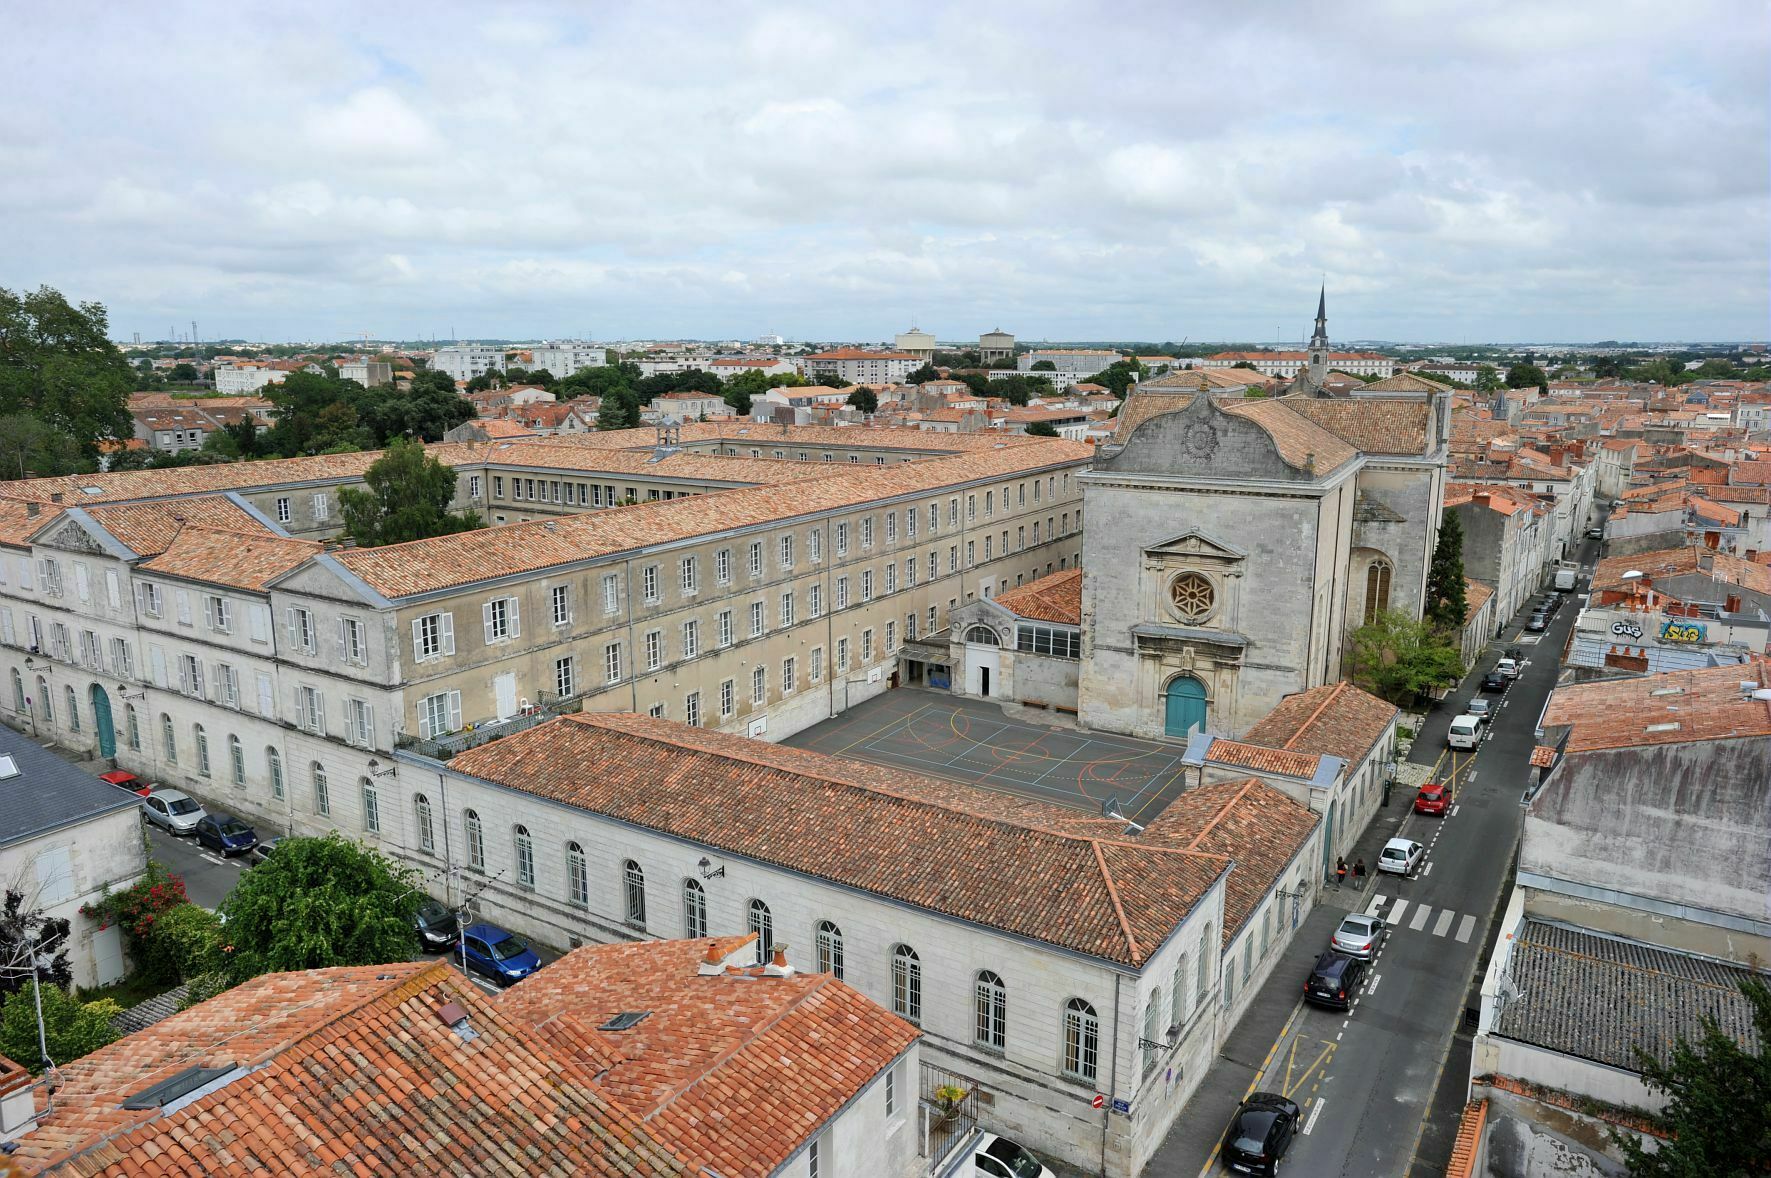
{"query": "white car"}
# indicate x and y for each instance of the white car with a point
(1465, 732)
(1400, 857)
(1508, 667)
(173, 811)
(998, 1157)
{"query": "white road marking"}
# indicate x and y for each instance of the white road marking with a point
(1454, 808)
(1377, 902)
(1314, 1113)
(1421, 912)
(1371, 988)
(1396, 912)
(1444, 922)
(1466, 928)
(1337, 1036)
(1426, 871)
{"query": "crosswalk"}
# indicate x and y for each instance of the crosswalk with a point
(1416, 917)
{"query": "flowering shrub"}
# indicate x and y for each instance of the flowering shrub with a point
(135, 910)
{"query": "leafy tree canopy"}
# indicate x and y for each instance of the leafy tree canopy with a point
(186, 373)
(1487, 378)
(1525, 375)
(1042, 429)
(741, 388)
(29, 445)
(408, 498)
(1448, 604)
(1399, 659)
(1043, 366)
(924, 374)
(1120, 375)
(71, 1027)
(320, 902)
(865, 400)
(58, 365)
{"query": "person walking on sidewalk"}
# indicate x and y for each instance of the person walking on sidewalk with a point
(1340, 871)
(1359, 873)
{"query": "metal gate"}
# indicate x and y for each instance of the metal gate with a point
(949, 1110)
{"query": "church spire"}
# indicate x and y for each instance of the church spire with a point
(1319, 341)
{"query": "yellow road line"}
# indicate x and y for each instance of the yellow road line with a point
(1218, 1146)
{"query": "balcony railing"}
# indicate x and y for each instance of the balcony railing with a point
(441, 748)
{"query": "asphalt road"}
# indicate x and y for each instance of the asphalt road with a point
(1366, 1077)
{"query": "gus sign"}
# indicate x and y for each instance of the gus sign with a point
(1682, 632)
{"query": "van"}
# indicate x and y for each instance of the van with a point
(1465, 732)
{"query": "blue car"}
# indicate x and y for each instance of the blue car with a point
(498, 953)
(225, 833)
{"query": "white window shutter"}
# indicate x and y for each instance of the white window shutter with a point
(516, 619)
(368, 725)
(486, 619)
(424, 728)
(343, 652)
(454, 711)
(140, 608)
(448, 633)
(197, 670)
(157, 665)
(113, 589)
(289, 621)
(267, 703)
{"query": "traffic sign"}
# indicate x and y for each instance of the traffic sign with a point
(1098, 1101)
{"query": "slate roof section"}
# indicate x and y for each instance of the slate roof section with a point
(1078, 883)
(48, 793)
(1054, 598)
(149, 1011)
(241, 560)
(1300, 441)
(1338, 719)
(704, 1068)
(359, 1075)
(1599, 997)
(1674, 708)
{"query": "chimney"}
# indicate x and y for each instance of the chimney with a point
(777, 966)
(713, 964)
(18, 1101)
(32, 509)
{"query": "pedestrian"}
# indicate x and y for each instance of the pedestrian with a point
(1340, 871)
(1359, 873)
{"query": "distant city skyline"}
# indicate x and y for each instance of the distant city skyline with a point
(1506, 172)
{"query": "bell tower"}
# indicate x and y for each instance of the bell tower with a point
(1319, 341)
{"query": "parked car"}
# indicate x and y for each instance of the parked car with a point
(1432, 798)
(1465, 732)
(1509, 667)
(1359, 936)
(123, 779)
(1495, 680)
(265, 847)
(498, 953)
(437, 927)
(1260, 1133)
(998, 1157)
(1334, 981)
(172, 810)
(1400, 856)
(1479, 708)
(225, 833)
(1537, 623)
(1595, 533)
(1516, 654)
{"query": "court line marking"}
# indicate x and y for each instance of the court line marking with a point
(886, 727)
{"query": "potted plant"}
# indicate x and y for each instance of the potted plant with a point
(947, 1098)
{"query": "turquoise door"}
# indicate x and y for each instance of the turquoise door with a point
(1184, 712)
(101, 719)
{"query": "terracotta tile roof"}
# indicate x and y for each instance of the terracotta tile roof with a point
(708, 435)
(149, 528)
(1476, 595)
(496, 427)
(562, 454)
(1256, 826)
(224, 557)
(398, 570)
(1055, 598)
(1406, 382)
(1542, 756)
(192, 480)
(18, 525)
(1338, 719)
(1674, 708)
(704, 1068)
(1254, 756)
(1375, 425)
(1468, 1143)
(1721, 567)
(356, 1073)
(830, 818)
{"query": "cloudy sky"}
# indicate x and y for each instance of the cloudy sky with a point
(1190, 169)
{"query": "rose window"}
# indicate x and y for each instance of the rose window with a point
(1193, 596)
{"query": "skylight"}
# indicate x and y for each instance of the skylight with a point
(8, 766)
(626, 1020)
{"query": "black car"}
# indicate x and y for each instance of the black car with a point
(1537, 624)
(1334, 981)
(1260, 1133)
(1494, 681)
(437, 927)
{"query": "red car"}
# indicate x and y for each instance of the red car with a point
(123, 779)
(1432, 798)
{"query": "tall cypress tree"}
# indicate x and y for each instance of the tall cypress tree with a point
(1447, 607)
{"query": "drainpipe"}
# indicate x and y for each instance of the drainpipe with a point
(1112, 1073)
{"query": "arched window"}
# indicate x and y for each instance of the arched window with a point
(1377, 589)
(168, 739)
(427, 835)
(990, 1008)
(1082, 1040)
(1208, 948)
(322, 791)
(762, 922)
(202, 739)
(1177, 1013)
(132, 727)
(73, 709)
(694, 909)
(273, 762)
(475, 837)
(525, 848)
(1152, 1027)
(906, 983)
(237, 760)
(982, 636)
(577, 876)
(830, 951)
(633, 893)
(371, 806)
(18, 691)
(45, 701)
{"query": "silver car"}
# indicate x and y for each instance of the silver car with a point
(1359, 936)
(173, 811)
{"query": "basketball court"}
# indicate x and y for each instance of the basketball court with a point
(970, 741)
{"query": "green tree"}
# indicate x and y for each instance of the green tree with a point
(408, 498)
(1042, 429)
(865, 400)
(422, 411)
(31, 944)
(1119, 376)
(741, 388)
(58, 365)
(1043, 366)
(1447, 601)
(430, 378)
(71, 1028)
(1525, 375)
(620, 409)
(1487, 378)
(320, 902)
(924, 374)
(1718, 1113)
(29, 445)
(1399, 659)
(315, 415)
(183, 373)
(1716, 369)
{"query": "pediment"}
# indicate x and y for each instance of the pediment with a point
(1195, 545)
(72, 533)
